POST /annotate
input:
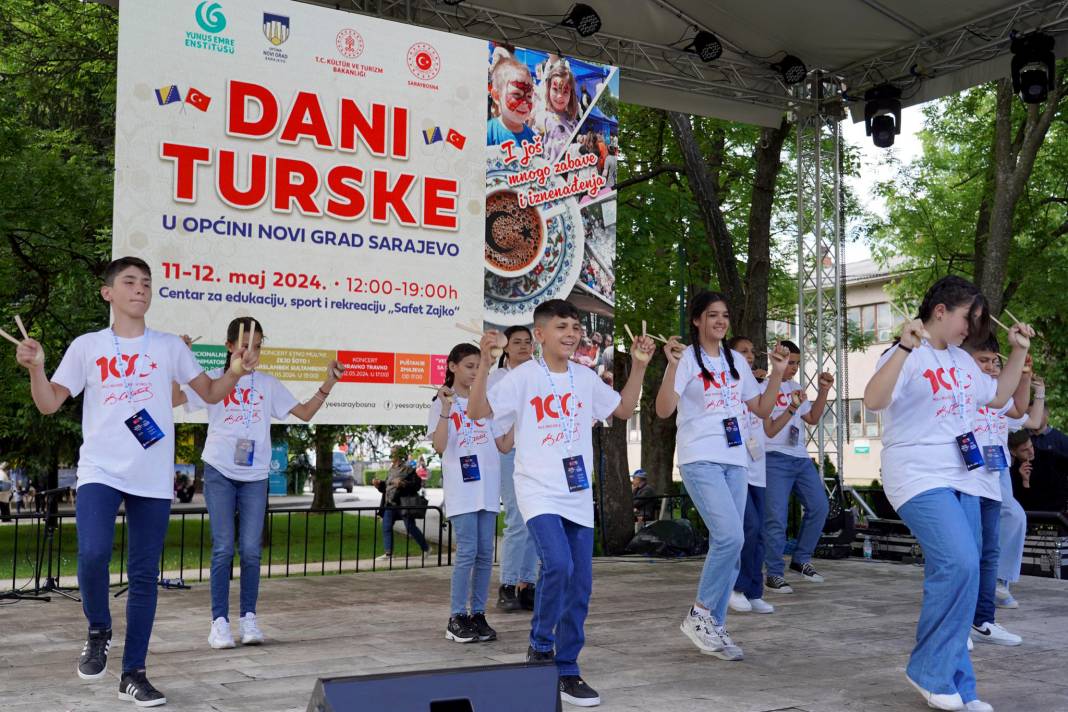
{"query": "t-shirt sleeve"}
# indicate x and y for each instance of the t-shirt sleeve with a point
(988, 388)
(193, 402)
(184, 363)
(685, 372)
(71, 372)
(1015, 424)
(907, 371)
(501, 426)
(605, 398)
(433, 413)
(504, 396)
(282, 401)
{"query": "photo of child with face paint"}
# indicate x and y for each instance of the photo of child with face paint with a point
(512, 92)
(557, 112)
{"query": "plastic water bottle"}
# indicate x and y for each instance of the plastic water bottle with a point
(867, 548)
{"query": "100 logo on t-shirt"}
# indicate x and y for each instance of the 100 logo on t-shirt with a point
(937, 379)
(109, 367)
(547, 406)
(718, 379)
(240, 396)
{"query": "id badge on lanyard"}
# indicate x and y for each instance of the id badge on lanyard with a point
(994, 453)
(469, 468)
(141, 424)
(966, 442)
(245, 449)
(575, 472)
(731, 427)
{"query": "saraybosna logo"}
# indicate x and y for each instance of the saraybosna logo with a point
(212, 21)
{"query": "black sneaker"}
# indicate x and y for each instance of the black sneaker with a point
(507, 600)
(777, 584)
(526, 597)
(808, 571)
(482, 627)
(575, 691)
(93, 663)
(536, 656)
(460, 629)
(135, 687)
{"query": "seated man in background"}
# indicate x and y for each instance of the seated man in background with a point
(646, 504)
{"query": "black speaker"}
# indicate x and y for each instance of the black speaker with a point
(517, 688)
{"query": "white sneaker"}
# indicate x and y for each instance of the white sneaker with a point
(384, 557)
(220, 636)
(759, 605)
(739, 602)
(250, 632)
(937, 701)
(978, 706)
(971, 645)
(709, 637)
(994, 633)
(1003, 598)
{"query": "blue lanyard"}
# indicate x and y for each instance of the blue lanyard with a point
(246, 414)
(121, 367)
(726, 388)
(568, 421)
(467, 426)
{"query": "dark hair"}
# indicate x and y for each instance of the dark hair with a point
(954, 291)
(990, 343)
(1018, 438)
(459, 352)
(508, 335)
(122, 263)
(556, 308)
(790, 346)
(735, 340)
(697, 307)
(232, 331)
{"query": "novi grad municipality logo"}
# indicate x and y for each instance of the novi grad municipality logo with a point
(210, 17)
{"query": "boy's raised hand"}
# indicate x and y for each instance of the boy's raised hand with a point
(29, 354)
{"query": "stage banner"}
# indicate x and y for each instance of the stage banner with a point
(552, 150)
(317, 170)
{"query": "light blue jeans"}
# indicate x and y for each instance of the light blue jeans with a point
(719, 493)
(519, 558)
(787, 474)
(473, 564)
(225, 498)
(1012, 534)
(946, 523)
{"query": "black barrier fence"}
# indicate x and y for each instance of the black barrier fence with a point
(38, 547)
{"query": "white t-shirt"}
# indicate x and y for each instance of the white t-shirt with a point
(704, 404)
(258, 396)
(525, 396)
(992, 427)
(758, 471)
(110, 454)
(781, 443)
(485, 493)
(922, 422)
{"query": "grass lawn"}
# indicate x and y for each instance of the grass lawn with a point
(298, 534)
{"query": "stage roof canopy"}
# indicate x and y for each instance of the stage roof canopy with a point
(929, 48)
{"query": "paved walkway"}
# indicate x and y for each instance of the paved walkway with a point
(836, 647)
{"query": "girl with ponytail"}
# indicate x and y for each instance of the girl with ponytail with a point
(712, 386)
(929, 391)
(470, 472)
(237, 461)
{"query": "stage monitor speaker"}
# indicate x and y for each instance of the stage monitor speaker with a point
(517, 688)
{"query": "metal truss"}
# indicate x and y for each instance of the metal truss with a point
(820, 295)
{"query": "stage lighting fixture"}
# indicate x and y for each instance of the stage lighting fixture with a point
(583, 19)
(706, 46)
(452, 2)
(882, 114)
(792, 69)
(1032, 67)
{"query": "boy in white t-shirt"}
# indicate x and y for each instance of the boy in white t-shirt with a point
(554, 404)
(790, 470)
(1001, 518)
(126, 457)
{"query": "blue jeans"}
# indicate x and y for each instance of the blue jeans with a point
(751, 574)
(473, 564)
(147, 518)
(787, 474)
(224, 498)
(519, 558)
(946, 523)
(1013, 533)
(990, 524)
(389, 516)
(719, 492)
(564, 585)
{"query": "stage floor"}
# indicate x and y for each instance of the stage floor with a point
(833, 647)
